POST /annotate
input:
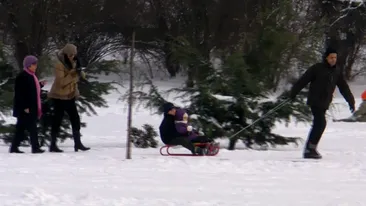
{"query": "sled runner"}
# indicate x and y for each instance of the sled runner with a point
(210, 149)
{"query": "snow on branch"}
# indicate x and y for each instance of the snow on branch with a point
(352, 5)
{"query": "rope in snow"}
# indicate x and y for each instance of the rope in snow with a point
(264, 116)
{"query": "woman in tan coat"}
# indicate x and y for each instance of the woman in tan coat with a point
(63, 93)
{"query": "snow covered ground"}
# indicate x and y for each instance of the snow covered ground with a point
(102, 176)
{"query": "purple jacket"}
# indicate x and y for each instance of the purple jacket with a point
(181, 124)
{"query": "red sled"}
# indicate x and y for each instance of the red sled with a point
(210, 149)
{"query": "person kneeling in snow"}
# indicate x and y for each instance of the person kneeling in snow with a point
(359, 115)
(174, 129)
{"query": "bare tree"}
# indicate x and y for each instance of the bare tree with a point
(130, 100)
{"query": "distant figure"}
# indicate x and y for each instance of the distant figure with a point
(174, 129)
(27, 105)
(359, 115)
(323, 78)
(63, 93)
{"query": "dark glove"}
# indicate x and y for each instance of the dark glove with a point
(352, 108)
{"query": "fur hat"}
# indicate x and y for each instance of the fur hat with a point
(70, 49)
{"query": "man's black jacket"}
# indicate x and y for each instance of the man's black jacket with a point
(323, 79)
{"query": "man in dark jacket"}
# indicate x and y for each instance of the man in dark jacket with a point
(168, 132)
(323, 78)
(27, 105)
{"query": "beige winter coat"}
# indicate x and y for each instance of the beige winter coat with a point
(65, 84)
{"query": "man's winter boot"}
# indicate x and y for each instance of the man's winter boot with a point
(78, 145)
(15, 150)
(311, 152)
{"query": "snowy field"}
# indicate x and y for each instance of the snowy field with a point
(102, 176)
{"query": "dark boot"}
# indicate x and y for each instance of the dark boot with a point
(311, 152)
(78, 145)
(15, 150)
(81, 147)
(37, 150)
(53, 146)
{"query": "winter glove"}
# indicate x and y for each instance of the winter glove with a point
(189, 128)
(352, 108)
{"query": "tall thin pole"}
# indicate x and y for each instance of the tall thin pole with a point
(130, 99)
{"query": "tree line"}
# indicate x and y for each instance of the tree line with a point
(264, 42)
(102, 26)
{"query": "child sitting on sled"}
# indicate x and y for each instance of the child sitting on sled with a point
(174, 129)
(186, 130)
(359, 115)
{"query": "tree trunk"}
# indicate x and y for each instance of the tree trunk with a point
(125, 57)
(21, 50)
(232, 143)
(130, 101)
(190, 78)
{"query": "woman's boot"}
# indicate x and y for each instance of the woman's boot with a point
(78, 145)
(53, 146)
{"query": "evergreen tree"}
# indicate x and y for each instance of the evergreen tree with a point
(6, 92)
(230, 99)
(226, 99)
(145, 137)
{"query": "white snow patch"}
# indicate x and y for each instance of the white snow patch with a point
(224, 98)
(102, 176)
